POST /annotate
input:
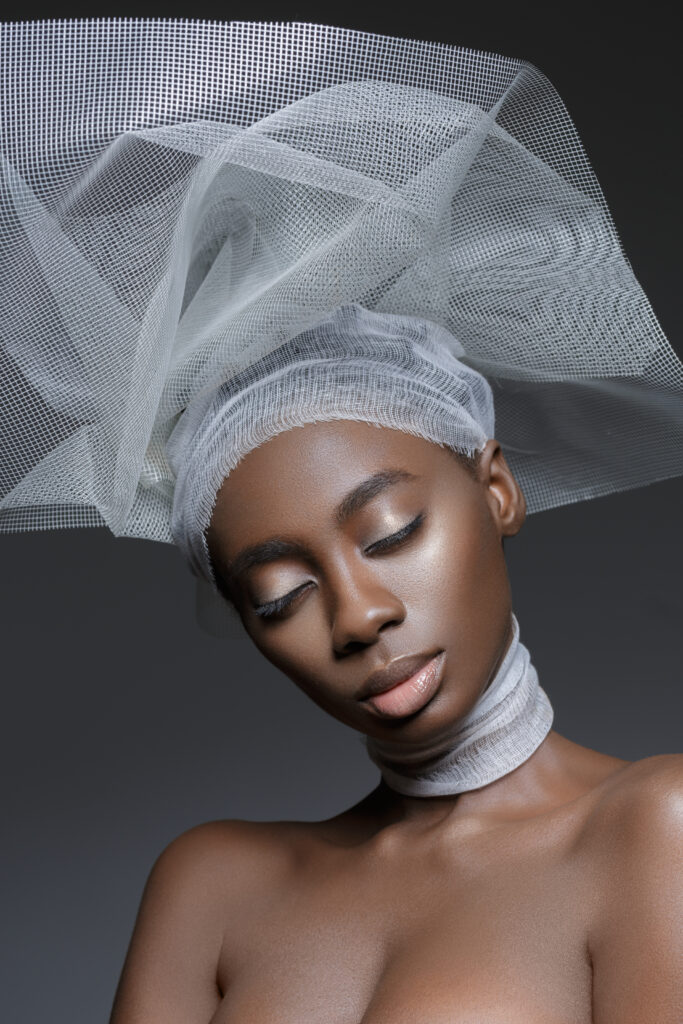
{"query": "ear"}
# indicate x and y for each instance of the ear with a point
(503, 493)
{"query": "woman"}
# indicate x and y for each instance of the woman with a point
(280, 313)
(499, 871)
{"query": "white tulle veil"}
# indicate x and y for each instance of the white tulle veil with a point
(182, 198)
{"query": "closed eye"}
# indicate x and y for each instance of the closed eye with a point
(272, 609)
(395, 539)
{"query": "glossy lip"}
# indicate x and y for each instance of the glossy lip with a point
(397, 671)
(411, 695)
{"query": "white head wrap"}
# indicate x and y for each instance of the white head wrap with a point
(390, 370)
(180, 199)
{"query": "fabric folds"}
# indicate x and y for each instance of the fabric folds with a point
(179, 199)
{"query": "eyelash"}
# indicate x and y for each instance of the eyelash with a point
(274, 608)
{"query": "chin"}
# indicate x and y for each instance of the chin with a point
(427, 733)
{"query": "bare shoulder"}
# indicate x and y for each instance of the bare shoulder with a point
(637, 816)
(225, 855)
(206, 880)
(635, 930)
(651, 788)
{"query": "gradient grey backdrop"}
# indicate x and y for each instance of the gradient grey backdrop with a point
(124, 724)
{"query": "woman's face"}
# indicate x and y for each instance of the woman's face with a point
(411, 565)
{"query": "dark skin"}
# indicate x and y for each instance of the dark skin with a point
(550, 896)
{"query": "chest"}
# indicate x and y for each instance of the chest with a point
(434, 936)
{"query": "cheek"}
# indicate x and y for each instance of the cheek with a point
(449, 558)
(461, 574)
(293, 648)
(300, 656)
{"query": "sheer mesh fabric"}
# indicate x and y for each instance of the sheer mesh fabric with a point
(181, 199)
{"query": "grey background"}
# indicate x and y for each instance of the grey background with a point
(124, 724)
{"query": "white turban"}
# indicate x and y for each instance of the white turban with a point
(393, 371)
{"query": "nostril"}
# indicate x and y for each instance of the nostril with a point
(355, 645)
(393, 622)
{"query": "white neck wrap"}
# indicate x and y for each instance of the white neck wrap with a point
(506, 725)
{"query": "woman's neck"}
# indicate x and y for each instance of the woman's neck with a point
(557, 773)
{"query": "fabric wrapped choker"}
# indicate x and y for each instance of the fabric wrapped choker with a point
(507, 724)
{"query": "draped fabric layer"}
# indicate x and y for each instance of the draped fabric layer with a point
(181, 198)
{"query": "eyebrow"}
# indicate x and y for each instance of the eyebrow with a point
(351, 503)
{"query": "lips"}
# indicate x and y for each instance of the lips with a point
(412, 695)
(397, 671)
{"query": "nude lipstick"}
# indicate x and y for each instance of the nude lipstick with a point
(412, 694)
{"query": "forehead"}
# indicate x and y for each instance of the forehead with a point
(310, 468)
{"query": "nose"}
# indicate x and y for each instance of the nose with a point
(363, 610)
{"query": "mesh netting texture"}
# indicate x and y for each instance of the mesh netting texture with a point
(181, 199)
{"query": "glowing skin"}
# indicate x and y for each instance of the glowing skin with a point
(542, 898)
(442, 587)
